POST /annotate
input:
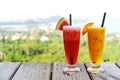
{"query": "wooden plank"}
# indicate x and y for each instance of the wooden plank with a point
(58, 73)
(112, 72)
(33, 71)
(118, 64)
(7, 69)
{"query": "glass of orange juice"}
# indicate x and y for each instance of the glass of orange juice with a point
(96, 36)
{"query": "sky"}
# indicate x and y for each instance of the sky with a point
(21, 9)
(84, 9)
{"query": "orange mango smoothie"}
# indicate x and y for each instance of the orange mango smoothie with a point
(96, 37)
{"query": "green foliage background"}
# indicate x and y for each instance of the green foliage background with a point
(53, 50)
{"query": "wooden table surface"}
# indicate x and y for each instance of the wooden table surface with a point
(54, 71)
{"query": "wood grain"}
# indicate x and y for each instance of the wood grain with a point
(8, 69)
(118, 64)
(58, 73)
(112, 72)
(33, 71)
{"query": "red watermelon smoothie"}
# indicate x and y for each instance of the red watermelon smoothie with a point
(71, 37)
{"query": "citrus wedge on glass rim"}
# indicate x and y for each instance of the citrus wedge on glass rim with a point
(62, 22)
(85, 28)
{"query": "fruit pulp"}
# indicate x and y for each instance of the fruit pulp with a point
(96, 37)
(71, 36)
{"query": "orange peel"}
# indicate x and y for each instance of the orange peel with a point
(85, 28)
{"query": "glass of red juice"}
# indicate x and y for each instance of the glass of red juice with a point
(71, 38)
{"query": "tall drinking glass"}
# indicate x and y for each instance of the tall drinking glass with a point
(71, 37)
(96, 37)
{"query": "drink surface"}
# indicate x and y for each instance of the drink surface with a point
(71, 37)
(96, 37)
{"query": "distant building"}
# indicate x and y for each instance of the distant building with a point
(24, 37)
(5, 37)
(1, 37)
(44, 38)
(33, 36)
(16, 36)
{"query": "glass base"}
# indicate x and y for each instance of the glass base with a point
(95, 69)
(76, 69)
(71, 68)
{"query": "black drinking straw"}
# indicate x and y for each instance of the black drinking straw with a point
(70, 18)
(103, 19)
